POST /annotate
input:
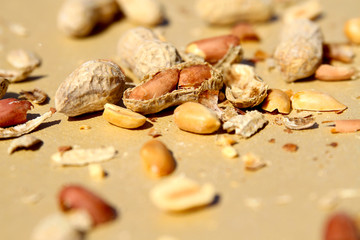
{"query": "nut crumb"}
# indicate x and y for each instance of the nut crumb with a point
(252, 162)
(253, 203)
(153, 132)
(229, 152)
(287, 130)
(333, 144)
(85, 127)
(290, 147)
(272, 140)
(96, 172)
(224, 140)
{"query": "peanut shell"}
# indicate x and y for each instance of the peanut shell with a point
(175, 97)
(89, 87)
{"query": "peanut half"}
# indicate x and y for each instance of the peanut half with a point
(123, 117)
(328, 72)
(196, 118)
(352, 30)
(312, 100)
(181, 193)
(157, 158)
(77, 197)
(340, 226)
(277, 100)
(213, 49)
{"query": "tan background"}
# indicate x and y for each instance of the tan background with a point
(307, 176)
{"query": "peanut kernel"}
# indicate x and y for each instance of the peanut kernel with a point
(123, 117)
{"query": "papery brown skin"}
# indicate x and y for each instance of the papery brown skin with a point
(162, 83)
(76, 197)
(346, 126)
(245, 32)
(13, 111)
(340, 226)
(194, 76)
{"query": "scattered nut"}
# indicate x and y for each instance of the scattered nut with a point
(21, 59)
(232, 11)
(123, 117)
(181, 193)
(76, 197)
(78, 18)
(252, 162)
(213, 49)
(277, 99)
(80, 157)
(245, 32)
(308, 9)
(144, 12)
(57, 227)
(85, 127)
(96, 171)
(196, 118)
(89, 87)
(229, 152)
(13, 111)
(36, 96)
(352, 30)
(312, 100)
(4, 83)
(153, 132)
(346, 126)
(290, 147)
(340, 226)
(26, 141)
(300, 50)
(339, 52)
(328, 72)
(224, 140)
(157, 158)
(16, 75)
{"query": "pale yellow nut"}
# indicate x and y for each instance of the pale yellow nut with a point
(157, 158)
(196, 118)
(277, 100)
(181, 193)
(252, 162)
(96, 171)
(229, 152)
(122, 117)
(352, 30)
(315, 101)
(224, 140)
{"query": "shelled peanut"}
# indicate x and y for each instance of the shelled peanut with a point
(78, 18)
(300, 50)
(232, 11)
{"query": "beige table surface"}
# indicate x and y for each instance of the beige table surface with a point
(308, 177)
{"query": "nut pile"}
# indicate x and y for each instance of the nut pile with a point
(206, 86)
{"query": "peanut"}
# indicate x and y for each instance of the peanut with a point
(20, 58)
(245, 32)
(180, 194)
(144, 12)
(77, 197)
(300, 51)
(123, 117)
(193, 76)
(77, 18)
(130, 41)
(157, 158)
(340, 226)
(13, 111)
(277, 100)
(196, 118)
(213, 49)
(4, 84)
(232, 11)
(315, 101)
(338, 51)
(309, 9)
(352, 30)
(162, 83)
(328, 72)
(89, 87)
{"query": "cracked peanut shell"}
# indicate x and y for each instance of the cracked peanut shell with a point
(175, 97)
